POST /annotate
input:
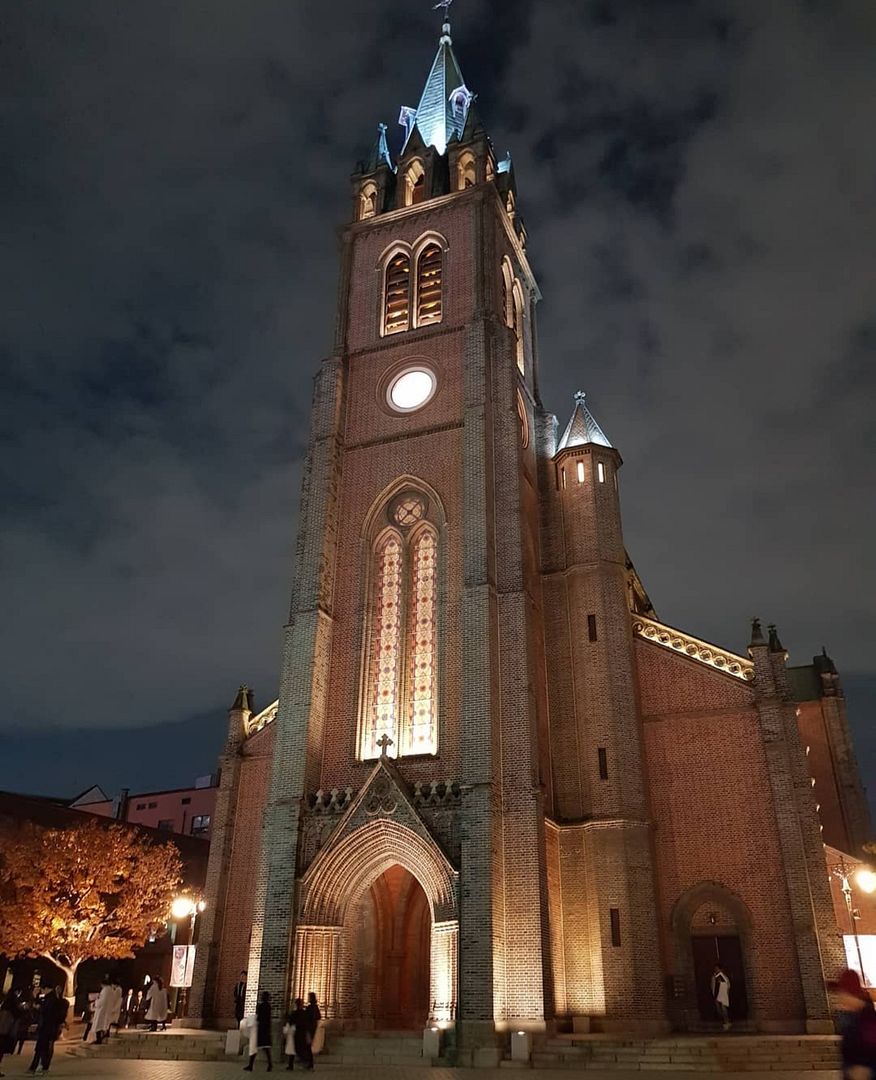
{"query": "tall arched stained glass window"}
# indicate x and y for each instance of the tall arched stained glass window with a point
(421, 730)
(400, 698)
(382, 704)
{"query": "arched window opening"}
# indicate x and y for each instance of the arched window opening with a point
(523, 417)
(517, 325)
(385, 647)
(415, 184)
(429, 285)
(400, 697)
(507, 283)
(397, 294)
(368, 202)
(511, 205)
(466, 172)
(421, 729)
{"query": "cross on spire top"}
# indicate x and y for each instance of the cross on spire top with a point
(384, 742)
(446, 5)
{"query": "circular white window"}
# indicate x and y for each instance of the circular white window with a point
(411, 389)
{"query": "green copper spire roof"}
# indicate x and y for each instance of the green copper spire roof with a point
(444, 106)
(582, 427)
(380, 152)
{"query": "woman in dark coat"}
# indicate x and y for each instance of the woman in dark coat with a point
(9, 1011)
(313, 1018)
(22, 1028)
(858, 1027)
(263, 1031)
(298, 1035)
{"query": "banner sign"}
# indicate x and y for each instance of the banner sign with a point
(182, 966)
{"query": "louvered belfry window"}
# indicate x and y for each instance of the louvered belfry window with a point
(397, 306)
(429, 285)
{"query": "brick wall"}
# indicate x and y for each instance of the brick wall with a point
(715, 819)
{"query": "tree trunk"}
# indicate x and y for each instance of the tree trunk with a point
(69, 971)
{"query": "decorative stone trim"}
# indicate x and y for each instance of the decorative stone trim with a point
(436, 793)
(256, 723)
(693, 648)
(329, 802)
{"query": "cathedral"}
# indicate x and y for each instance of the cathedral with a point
(498, 792)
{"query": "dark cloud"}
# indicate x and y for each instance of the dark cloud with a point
(697, 177)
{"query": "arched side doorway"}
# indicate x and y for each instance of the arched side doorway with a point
(711, 926)
(377, 911)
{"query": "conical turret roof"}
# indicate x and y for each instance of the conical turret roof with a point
(582, 428)
(379, 152)
(445, 101)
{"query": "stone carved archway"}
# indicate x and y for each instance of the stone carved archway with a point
(334, 884)
(731, 910)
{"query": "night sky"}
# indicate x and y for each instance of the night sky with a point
(698, 181)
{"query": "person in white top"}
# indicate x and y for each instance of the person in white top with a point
(721, 994)
(102, 1018)
(117, 999)
(156, 999)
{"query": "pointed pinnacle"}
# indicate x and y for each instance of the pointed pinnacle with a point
(757, 637)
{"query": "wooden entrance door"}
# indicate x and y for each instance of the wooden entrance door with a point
(726, 950)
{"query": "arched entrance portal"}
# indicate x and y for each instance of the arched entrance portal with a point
(715, 939)
(711, 925)
(378, 929)
(390, 930)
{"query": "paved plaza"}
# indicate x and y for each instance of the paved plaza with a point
(65, 1065)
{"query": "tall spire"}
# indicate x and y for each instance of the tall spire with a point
(379, 152)
(582, 428)
(445, 101)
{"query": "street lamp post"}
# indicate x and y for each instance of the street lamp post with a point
(186, 907)
(865, 880)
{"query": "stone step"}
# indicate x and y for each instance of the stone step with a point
(728, 1053)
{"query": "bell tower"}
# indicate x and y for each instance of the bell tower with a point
(411, 710)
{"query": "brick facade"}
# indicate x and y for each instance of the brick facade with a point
(605, 792)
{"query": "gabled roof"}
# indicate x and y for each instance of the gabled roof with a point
(582, 428)
(445, 102)
(94, 794)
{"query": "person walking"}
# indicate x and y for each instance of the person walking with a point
(100, 1019)
(9, 1011)
(240, 997)
(52, 1016)
(314, 1042)
(297, 1032)
(22, 1028)
(721, 994)
(263, 1032)
(116, 1000)
(156, 1000)
(858, 1028)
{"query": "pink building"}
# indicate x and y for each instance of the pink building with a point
(185, 811)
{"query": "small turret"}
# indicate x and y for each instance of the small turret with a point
(238, 718)
(775, 644)
(243, 700)
(827, 672)
(582, 428)
(757, 637)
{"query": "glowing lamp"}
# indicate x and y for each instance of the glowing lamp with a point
(866, 880)
(182, 907)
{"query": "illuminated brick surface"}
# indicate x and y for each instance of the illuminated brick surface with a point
(580, 770)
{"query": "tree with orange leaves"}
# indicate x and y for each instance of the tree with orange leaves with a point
(87, 892)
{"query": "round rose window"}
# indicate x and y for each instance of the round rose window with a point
(411, 389)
